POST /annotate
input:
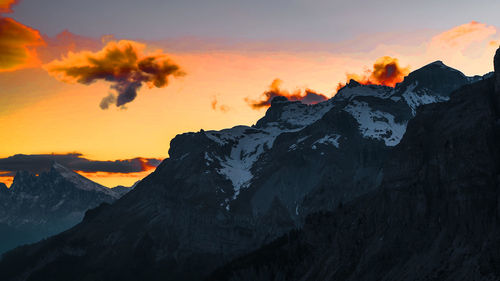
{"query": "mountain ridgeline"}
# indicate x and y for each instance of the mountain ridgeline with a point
(372, 184)
(435, 216)
(36, 207)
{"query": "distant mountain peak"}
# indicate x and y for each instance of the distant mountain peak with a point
(80, 181)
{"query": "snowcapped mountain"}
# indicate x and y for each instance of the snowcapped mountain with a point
(244, 158)
(223, 193)
(35, 207)
(435, 216)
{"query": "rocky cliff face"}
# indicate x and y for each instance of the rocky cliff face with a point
(36, 207)
(435, 217)
(496, 64)
(224, 193)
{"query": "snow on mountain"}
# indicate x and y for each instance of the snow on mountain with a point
(300, 115)
(330, 139)
(387, 120)
(382, 114)
(415, 98)
(376, 124)
(223, 193)
(249, 143)
(82, 182)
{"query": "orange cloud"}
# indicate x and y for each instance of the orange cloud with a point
(308, 97)
(216, 106)
(17, 43)
(5, 6)
(494, 43)
(122, 63)
(386, 71)
(463, 35)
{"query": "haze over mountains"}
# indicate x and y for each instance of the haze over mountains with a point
(381, 182)
(36, 207)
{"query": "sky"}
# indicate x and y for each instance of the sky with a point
(103, 86)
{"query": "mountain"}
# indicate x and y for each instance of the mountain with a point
(222, 194)
(36, 207)
(436, 215)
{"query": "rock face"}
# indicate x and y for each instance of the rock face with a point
(435, 217)
(496, 64)
(36, 207)
(224, 193)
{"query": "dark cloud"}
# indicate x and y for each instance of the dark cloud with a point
(386, 71)
(308, 97)
(37, 163)
(107, 101)
(121, 63)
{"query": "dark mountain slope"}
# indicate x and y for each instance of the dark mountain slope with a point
(224, 193)
(36, 207)
(436, 216)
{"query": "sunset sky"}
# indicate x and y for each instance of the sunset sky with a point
(58, 60)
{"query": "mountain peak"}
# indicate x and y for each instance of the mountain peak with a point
(438, 63)
(279, 99)
(353, 83)
(437, 77)
(80, 181)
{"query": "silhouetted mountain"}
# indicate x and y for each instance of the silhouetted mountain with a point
(435, 217)
(224, 193)
(36, 207)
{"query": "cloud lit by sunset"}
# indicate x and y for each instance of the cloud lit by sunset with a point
(386, 71)
(122, 63)
(134, 168)
(18, 42)
(6, 6)
(307, 96)
(463, 35)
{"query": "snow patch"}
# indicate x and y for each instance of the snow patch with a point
(332, 139)
(376, 124)
(249, 143)
(415, 99)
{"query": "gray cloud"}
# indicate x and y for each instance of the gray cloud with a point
(37, 163)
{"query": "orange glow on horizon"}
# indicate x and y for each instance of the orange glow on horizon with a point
(113, 179)
(7, 180)
(104, 178)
